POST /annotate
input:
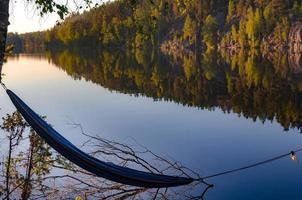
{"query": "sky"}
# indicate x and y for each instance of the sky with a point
(24, 18)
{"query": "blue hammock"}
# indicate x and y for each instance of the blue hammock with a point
(102, 169)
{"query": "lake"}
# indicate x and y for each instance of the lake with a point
(209, 112)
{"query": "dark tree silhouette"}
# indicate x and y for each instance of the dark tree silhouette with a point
(4, 8)
(39, 172)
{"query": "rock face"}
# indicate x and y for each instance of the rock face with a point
(295, 62)
(295, 38)
(295, 46)
(174, 46)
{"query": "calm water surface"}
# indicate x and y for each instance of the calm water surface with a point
(179, 109)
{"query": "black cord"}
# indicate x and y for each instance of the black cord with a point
(292, 153)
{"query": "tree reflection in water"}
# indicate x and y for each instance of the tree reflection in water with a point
(249, 84)
(32, 170)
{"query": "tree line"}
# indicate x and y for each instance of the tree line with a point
(27, 42)
(194, 23)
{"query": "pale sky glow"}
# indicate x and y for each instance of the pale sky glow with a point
(24, 18)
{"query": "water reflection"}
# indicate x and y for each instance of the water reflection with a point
(32, 170)
(249, 84)
(24, 169)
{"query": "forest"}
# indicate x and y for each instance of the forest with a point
(245, 84)
(28, 42)
(178, 24)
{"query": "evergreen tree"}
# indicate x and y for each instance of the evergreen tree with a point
(234, 33)
(190, 29)
(250, 27)
(210, 31)
(258, 23)
(231, 11)
(241, 34)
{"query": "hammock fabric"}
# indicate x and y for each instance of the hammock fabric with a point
(102, 169)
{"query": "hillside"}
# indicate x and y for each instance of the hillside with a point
(178, 25)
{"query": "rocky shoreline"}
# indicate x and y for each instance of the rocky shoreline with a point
(295, 38)
(293, 45)
(292, 48)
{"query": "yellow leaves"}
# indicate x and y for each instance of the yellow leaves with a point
(189, 66)
(190, 29)
(78, 198)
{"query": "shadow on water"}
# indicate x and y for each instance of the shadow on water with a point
(33, 170)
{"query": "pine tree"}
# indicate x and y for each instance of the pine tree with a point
(258, 23)
(210, 31)
(231, 11)
(190, 29)
(250, 27)
(234, 33)
(241, 34)
(269, 18)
